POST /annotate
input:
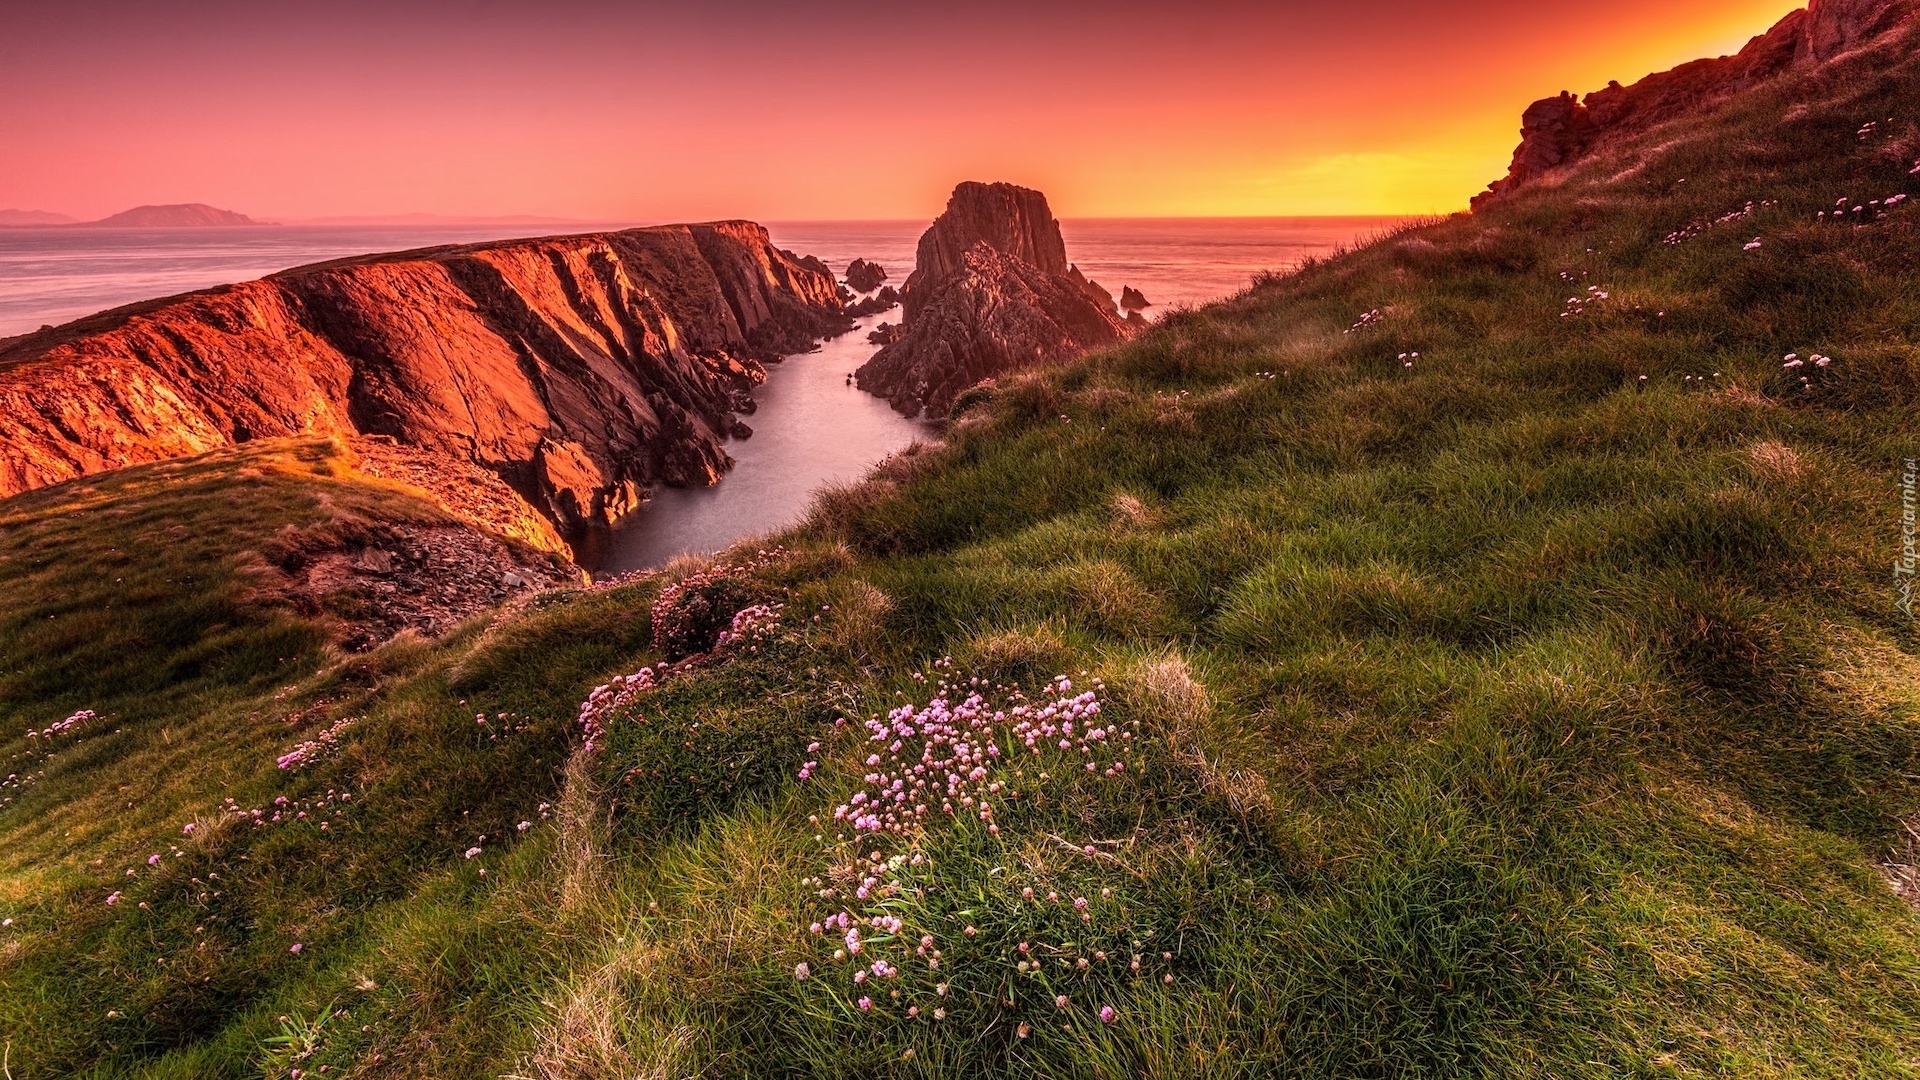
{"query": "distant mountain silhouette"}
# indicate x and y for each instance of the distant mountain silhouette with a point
(179, 216)
(33, 217)
(443, 219)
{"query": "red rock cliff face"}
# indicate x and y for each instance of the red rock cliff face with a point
(581, 369)
(1013, 220)
(1558, 131)
(991, 291)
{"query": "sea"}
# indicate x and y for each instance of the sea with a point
(811, 430)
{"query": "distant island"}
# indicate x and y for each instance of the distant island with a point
(175, 216)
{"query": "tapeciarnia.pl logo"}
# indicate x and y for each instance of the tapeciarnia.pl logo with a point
(1903, 571)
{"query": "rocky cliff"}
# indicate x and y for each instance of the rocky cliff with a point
(991, 291)
(1558, 131)
(580, 370)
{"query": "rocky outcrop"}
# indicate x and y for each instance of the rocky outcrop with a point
(1559, 131)
(1132, 299)
(1012, 220)
(886, 299)
(864, 276)
(991, 291)
(580, 370)
(993, 316)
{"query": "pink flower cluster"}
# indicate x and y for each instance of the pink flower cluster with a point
(945, 756)
(1871, 210)
(959, 758)
(1683, 235)
(63, 726)
(317, 747)
(323, 811)
(691, 616)
(604, 699)
(1792, 361)
(860, 939)
(1577, 305)
(1366, 320)
(751, 627)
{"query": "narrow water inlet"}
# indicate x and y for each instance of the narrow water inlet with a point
(812, 429)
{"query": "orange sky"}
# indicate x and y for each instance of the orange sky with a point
(641, 111)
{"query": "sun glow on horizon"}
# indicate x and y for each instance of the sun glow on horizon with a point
(1386, 107)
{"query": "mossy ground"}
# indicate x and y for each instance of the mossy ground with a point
(1540, 709)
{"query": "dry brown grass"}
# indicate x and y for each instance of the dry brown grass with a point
(1018, 651)
(1131, 512)
(1183, 707)
(584, 826)
(1902, 865)
(856, 617)
(1775, 461)
(1753, 399)
(1109, 598)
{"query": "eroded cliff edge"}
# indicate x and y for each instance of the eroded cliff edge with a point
(1558, 132)
(581, 370)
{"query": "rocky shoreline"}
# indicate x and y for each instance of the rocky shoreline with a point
(580, 370)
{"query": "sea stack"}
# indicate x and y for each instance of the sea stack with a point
(991, 291)
(864, 276)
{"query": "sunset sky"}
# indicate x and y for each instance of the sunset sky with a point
(646, 112)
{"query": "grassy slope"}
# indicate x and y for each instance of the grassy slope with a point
(1507, 715)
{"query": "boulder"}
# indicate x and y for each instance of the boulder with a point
(864, 276)
(886, 299)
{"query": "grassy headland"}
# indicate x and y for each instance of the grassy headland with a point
(1500, 684)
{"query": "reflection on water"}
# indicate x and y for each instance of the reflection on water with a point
(812, 430)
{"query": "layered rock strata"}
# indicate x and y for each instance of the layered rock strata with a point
(1557, 132)
(991, 291)
(581, 370)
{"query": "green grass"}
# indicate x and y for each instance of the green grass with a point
(1506, 715)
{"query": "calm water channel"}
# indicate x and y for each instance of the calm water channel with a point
(811, 430)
